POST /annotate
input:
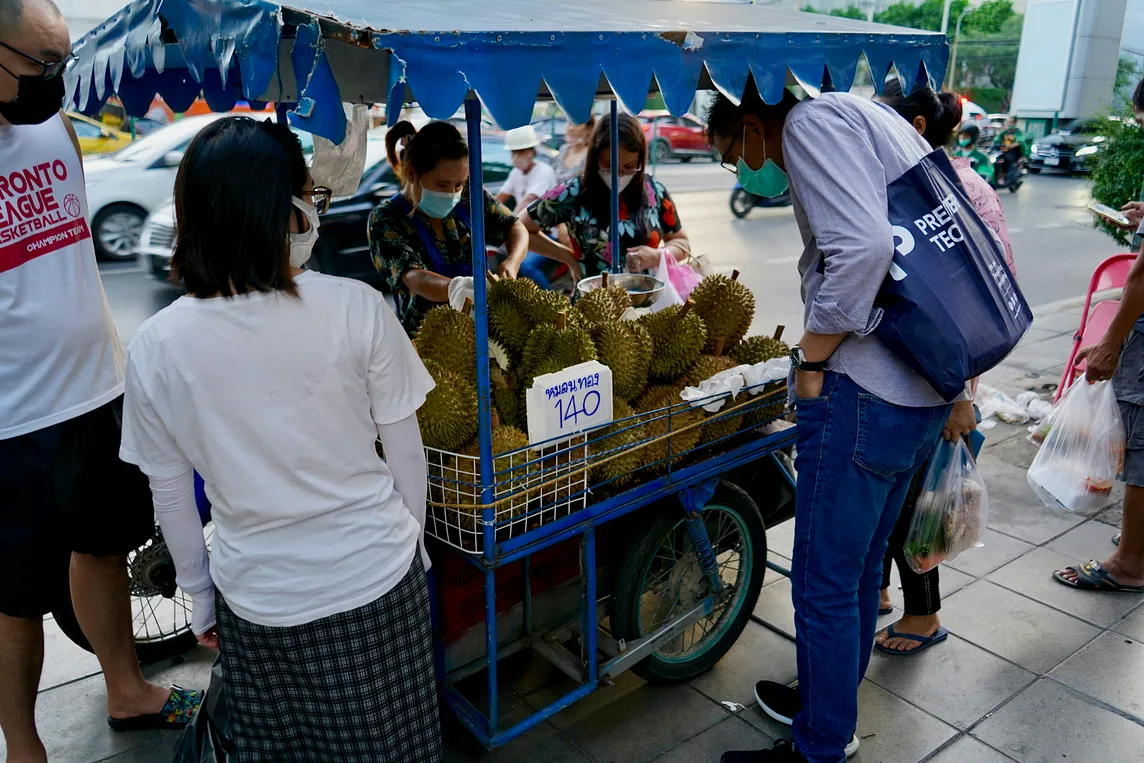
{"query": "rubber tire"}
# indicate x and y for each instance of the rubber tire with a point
(626, 600)
(661, 151)
(739, 193)
(111, 209)
(685, 159)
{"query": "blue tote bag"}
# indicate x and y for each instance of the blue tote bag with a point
(951, 309)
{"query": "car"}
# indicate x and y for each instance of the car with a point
(125, 187)
(683, 138)
(96, 137)
(1070, 149)
(342, 248)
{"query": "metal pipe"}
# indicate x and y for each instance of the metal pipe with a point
(588, 613)
(526, 564)
(945, 17)
(953, 54)
(614, 230)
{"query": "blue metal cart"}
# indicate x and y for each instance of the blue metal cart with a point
(699, 547)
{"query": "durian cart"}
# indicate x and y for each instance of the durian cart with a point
(627, 541)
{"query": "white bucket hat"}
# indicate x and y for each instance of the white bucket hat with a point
(521, 138)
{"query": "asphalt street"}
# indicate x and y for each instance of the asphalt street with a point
(1054, 243)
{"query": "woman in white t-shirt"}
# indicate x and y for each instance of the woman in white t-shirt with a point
(274, 384)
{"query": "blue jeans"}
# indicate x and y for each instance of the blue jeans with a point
(534, 267)
(857, 455)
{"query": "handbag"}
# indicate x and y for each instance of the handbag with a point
(950, 308)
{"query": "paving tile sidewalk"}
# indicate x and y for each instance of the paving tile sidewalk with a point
(1033, 672)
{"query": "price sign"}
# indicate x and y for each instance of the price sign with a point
(569, 401)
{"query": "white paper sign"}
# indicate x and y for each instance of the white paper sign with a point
(569, 401)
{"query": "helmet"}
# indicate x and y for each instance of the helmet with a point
(972, 130)
(521, 138)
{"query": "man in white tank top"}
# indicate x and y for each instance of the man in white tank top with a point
(61, 387)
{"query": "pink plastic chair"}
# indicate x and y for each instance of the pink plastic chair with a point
(1110, 274)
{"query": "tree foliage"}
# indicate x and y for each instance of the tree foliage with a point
(849, 12)
(1119, 171)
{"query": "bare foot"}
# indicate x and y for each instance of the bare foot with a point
(919, 625)
(148, 701)
(1124, 574)
(884, 602)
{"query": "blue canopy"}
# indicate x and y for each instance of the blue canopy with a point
(317, 54)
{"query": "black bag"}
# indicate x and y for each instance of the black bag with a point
(207, 739)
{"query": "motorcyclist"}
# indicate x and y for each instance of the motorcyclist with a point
(1011, 144)
(967, 139)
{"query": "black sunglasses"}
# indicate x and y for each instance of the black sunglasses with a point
(724, 163)
(51, 69)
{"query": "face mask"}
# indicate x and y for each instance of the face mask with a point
(37, 101)
(768, 180)
(302, 244)
(964, 142)
(521, 162)
(437, 204)
(625, 180)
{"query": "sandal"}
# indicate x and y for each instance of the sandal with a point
(924, 642)
(886, 611)
(1090, 576)
(1116, 539)
(176, 713)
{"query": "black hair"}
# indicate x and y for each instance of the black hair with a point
(393, 136)
(972, 130)
(942, 111)
(597, 196)
(233, 208)
(434, 142)
(1138, 96)
(724, 118)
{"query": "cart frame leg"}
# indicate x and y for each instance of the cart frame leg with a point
(694, 499)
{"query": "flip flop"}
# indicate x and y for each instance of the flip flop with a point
(176, 713)
(940, 635)
(886, 611)
(1116, 539)
(1090, 576)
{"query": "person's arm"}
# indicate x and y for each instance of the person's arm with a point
(427, 284)
(71, 134)
(516, 247)
(538, 182)
(675, 239)
(405, 456)
(403, 267)
(1102, 358)
(178, 514)
(554, 208)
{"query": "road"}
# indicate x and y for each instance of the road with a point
(1054, 243)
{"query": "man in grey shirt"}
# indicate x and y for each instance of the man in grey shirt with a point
(866, 423)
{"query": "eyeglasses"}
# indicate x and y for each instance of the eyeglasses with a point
(321, 197)
(732, 168)
(51, 69)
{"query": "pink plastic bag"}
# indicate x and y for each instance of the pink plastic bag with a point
(682, 276)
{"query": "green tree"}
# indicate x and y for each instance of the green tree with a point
(925, 16)
(849, 12)
(1128, 72)
(1118, 171)
(989, 17)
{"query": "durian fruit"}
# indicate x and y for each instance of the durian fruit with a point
(542, 307)
(614, 442)
(678, 336)
(448, 419)
(605, 305)
(704, 368)
(509, 324)
(758, 349)
(510, 455)
(554, 347)
(449, 339)
(726, 307)
(625, 348)
(658, 424)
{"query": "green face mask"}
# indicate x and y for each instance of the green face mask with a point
(768, 180)
(964, 142)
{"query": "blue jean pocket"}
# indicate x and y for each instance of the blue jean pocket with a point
(890, 436)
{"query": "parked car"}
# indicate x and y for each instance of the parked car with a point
(683, 138)
(342, 248)
(1070, 149)
(96, 137)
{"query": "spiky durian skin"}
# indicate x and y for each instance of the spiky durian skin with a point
(726, 307)
(625, 348)
(675, 343)
(604, 306)
(509, 323)
(550, 349)
(615, 442)
(657, 424)
(509, 446)
(542, 307)
(759, 349)
(449, 339)
(448, 419)
(706, 366)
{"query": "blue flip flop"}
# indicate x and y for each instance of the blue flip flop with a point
(940, 635)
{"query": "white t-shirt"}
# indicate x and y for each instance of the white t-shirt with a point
(59, 353)
(275, 401)
(540, 180)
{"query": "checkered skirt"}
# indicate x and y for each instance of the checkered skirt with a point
(355, 686)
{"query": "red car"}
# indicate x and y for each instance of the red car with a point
(682, 138)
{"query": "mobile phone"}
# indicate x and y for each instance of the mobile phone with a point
(1110, 214)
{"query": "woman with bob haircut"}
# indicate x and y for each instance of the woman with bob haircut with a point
(274, 384)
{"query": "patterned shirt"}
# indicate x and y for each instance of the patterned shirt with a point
(566, 204)
(986, 203)
(397, 248)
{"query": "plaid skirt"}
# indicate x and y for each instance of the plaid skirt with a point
(355, 686)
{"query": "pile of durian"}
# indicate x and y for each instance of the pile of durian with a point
(535, 332)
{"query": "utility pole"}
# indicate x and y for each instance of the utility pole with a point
(953, 54)
(945, 17)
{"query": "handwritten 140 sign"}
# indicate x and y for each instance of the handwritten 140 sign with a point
(569, 401)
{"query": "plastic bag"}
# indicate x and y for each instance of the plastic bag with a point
(670, 295)
(951, 509)
(340, 167)
(1083, 452)
(207, 739)
(682, 276)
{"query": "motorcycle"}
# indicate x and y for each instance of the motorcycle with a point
(1015, 169)
(742, 201)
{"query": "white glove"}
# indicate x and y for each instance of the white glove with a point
(203, 611)
(460, 289)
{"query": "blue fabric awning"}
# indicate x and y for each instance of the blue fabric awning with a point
(318, 54)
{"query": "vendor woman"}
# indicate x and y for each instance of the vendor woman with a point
(420, 238)
(649, 223)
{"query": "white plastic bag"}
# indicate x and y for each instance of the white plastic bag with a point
(340, 168)
(951, 511)
(1083, 452)
(669, 296)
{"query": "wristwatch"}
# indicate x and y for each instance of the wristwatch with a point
(799, 362)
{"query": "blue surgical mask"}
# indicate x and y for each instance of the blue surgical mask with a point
(769, 180)
(438, 204)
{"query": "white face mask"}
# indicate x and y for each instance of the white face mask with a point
(625, 180)
(302, 244)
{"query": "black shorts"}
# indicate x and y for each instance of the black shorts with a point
(64, 489)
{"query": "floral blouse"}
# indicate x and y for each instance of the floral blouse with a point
(397, 248)
(987, 204)
(590, 237)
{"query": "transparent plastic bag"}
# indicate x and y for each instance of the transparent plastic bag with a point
(951, 510)
(1083, 451)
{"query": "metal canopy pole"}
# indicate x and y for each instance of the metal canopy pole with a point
(614, 230)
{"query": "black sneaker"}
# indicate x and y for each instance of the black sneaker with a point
(782, 704)
(782, 752)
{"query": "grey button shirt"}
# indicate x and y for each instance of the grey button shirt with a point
(841, 152)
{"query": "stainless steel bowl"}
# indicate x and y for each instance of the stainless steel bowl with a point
(643, 290)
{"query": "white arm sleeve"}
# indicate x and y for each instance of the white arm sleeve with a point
(178, 516)
(405, 456)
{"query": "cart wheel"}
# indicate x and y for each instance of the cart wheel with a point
(660, 578)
